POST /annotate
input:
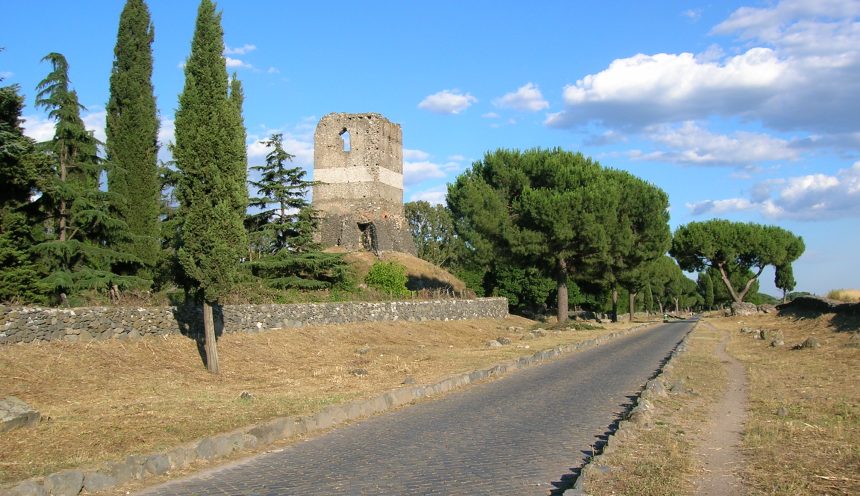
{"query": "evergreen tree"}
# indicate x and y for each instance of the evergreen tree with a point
(281, 233)
(432, 228)
(784, 280)
(132, 136)
(81, 223)
(21, 167)
(284, 220)
(722, 245)
(706, 289)
(541, 208)
(212, 185)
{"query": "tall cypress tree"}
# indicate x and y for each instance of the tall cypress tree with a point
(132, 136)
(211, 187)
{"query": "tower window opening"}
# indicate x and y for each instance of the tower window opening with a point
(344, 135)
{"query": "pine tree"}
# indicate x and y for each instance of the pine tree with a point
(132, 136)
(21, 167)
(79, 214)
(211, 189)
(282, 231)
(282, 200)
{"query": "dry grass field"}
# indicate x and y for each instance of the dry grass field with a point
(849, 295)
(101, 401)
(802, 430)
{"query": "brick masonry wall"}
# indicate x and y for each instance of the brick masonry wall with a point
(28, 324)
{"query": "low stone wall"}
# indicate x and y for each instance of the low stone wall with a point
(27, 324)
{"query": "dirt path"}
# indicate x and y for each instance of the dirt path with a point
(719, 448)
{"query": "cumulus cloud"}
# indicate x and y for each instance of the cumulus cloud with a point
(237, 64)
(527, 97)
(415, 154)
(422, 170)
(810, 197)
(691, 144)
(41, 128)
(800, 72)
(448, 102)
(418, 167)
(242, 50)
(434, 196)
(38, 127)
(300, 145)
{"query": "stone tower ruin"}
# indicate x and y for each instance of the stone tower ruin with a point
(358, 164)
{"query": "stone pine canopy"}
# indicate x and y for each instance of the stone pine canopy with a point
(358, 167)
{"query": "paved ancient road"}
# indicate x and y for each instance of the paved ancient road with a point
(526, 433)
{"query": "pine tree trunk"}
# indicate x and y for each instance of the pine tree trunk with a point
(677, 308)
(210, 345)
(561, 280)
(614, 304)
(632, 302)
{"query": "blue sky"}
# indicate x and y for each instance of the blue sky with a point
(739, 110)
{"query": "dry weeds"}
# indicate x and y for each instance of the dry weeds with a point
(803, 435)
(849, 295)
(803, 429)
(102, 401)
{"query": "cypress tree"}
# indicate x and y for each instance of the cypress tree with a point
(211, 189)
(132, 136)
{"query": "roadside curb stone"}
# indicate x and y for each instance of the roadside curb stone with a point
(137, 467)
(638, 417)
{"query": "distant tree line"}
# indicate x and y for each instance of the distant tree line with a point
(551, 229)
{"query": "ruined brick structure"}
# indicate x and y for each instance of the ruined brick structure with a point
(358, 162)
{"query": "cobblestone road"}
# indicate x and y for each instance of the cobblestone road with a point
(527, 433)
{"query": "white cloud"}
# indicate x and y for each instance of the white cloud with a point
(692, 145)
(41, 128)
(801, 71)
(242, 50)
(648, 89)
(415, 172)
(456, 158)
(527, 97)
(38, 127)
(810, 197)
(490, 115)
(273, 70)
(447, 102)
(435, 196)
(237, 64)
(300, 145)
(415, 154)
(692, 14)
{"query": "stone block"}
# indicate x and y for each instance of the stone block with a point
(15, 414)
(65, 483)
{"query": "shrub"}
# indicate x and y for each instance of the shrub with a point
(388, 277)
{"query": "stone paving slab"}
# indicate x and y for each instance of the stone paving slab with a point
(527, 433)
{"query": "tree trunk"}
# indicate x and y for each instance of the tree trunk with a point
(210, 345)
(632, 305)
(725, 277)
(614, 304)
(660, 306)
(561, 281)
(677, 309)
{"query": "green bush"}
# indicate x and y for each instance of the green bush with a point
(388, 277)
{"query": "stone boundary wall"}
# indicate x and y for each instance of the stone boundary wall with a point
(28, 324)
